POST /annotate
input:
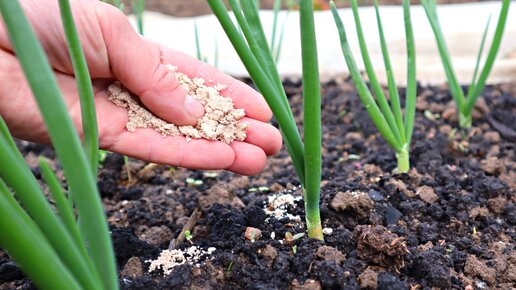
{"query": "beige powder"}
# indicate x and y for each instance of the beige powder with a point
(220, 122)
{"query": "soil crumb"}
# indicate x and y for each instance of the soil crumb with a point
(221, 122)
(380, 246)
(478, 268)
(368, 279)
(358, 202)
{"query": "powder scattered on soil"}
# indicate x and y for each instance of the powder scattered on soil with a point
(278, 206)
(168, 259)
(220, 122)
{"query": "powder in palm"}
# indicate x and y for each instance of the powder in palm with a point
(221, 121)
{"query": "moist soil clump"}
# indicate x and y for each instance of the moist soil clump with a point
(448, 223)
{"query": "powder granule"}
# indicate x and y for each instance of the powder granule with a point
(168, 259)
(221, 120)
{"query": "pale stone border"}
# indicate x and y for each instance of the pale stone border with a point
(463, 25)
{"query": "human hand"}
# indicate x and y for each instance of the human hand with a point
(114, 51)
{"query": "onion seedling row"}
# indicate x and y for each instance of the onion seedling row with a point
(465, 103)
(388, 118)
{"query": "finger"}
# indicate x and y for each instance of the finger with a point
(147, 144)
(249, 159)
(137, 65)
(263, 135)
(243, 96)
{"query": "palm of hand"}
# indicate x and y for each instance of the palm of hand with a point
(114, 51)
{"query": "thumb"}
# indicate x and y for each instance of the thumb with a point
(137, 64)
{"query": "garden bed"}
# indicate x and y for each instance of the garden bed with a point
(449, 223)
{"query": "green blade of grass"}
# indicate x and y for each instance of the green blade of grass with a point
(312, 119)
(365, 95)
(491, 56)
(373, 80)
(265, 86)
(411, 90)
(64, 137)
(479, 58)
(393, 89)
(455, 88)
(85, 89)
(19, 235)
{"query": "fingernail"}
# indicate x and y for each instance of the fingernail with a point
(193, 107)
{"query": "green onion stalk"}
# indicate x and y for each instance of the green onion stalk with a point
(249, 41)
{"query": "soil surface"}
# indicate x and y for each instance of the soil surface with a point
(447, 224)
(189, 8)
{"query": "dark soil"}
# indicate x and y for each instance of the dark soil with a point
(449, 223)
(188, 8)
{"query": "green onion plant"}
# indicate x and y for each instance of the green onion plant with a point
(138, 8)
(117, 3)
(276, 44)
(466, 102)
(198, 48)
(388, 118)
(254, 51)
(49, 245)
